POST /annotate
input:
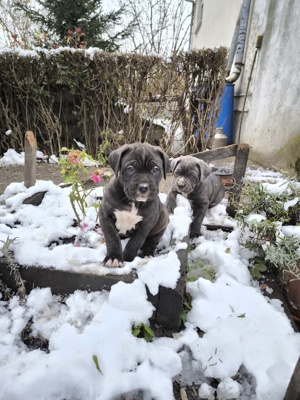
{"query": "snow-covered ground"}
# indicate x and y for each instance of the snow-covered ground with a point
(247, 342)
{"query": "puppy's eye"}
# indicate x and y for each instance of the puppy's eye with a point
(155, 169)
(193, 177)
(130, 169)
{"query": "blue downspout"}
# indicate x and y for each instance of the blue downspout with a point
(225, 120)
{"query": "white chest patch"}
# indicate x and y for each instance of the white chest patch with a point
(127, 220)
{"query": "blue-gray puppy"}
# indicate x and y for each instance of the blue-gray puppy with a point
(131, 207)
(193, 179)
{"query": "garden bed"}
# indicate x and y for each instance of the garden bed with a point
(168, 302)
(224, 311)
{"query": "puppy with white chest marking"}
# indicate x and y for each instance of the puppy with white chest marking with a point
(131, 206)
(194, 179)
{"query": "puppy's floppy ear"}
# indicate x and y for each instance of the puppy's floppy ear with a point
(174, 163)
(115, 158)
(165, 160)
(204, 169)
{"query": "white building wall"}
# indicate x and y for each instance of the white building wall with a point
(214, 22)
(271, 112)
(271, 123)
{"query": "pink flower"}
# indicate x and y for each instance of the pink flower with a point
(74, 161)
(74, 156)
(96, 178)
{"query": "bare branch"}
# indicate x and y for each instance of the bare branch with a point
(162, 26)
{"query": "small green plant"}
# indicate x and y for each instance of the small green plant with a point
(96, 362)
(199, 269)
(258, 200)
(186, 309)
(284, 254)
(261, 232)
(73, 170)
(103, 149)
(276, 206)
(143, 331)
(20, 283)
(258, 266)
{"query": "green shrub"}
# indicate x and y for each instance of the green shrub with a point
(93, 96)
(263, 234)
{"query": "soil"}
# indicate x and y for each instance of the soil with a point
(49, 172)
(14, 173)
(46, 171)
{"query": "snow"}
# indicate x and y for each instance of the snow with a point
(278, 188)
(11, 157)
(244, 335)
(89, 52)
(291, 203)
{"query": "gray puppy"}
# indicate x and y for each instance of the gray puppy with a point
(131, 206)
(194, 179)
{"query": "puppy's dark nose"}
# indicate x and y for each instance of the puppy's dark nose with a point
(180, 186)
(143, 187)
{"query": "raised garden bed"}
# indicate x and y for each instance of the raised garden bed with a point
(168, 302)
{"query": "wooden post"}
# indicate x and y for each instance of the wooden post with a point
(239, 170)
(293, 390)
(30, 159)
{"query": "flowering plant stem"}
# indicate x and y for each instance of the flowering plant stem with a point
(76, 197)
(73, 167)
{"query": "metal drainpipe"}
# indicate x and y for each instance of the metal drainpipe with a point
(233, 44)
(239, 56)
(192, 21)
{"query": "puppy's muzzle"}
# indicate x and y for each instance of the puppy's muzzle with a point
(182, 185)
(142, 193)
(143, 187)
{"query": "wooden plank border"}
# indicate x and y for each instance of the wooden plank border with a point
(293, 389)
(168, 302)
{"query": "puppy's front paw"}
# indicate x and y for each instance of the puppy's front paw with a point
(112, 262)
(195, 235)
(146, 256)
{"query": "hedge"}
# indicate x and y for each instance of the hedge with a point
(106, 99)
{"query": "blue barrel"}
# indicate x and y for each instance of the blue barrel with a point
(225, 120)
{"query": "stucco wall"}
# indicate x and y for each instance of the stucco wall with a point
(218, 23)
(271, 117)
(272, 124)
